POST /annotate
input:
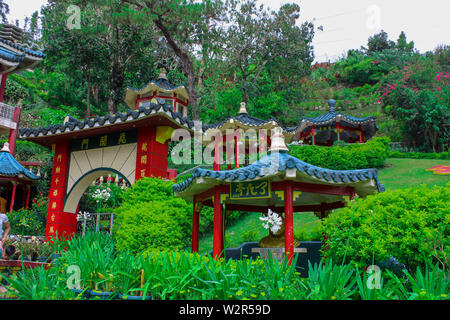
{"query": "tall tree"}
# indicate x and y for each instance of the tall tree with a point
(258, 38)
(109, 38)
(379, 42)
(188, 27)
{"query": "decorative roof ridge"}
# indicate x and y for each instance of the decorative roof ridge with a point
(74, 123)
(22, 48)
(157, 82)
(266, 167)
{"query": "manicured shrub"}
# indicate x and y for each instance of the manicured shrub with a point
(345, 157)
(150, 217)
(155, 224)
(409, 224)
(419, 155)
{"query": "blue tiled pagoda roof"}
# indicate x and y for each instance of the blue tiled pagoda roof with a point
(16, 57)
(10, 167)
(365, 181)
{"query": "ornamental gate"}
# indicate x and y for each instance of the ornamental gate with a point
(131, 154)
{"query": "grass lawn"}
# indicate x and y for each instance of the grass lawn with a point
(405, 173)
(397, 174)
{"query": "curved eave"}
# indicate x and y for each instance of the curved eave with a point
(15, 60)
(130, 116)
(11, 168)
(328, 119)
(234, 124)
(365, 181)
(132, 94)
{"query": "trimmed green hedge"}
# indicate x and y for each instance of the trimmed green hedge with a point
(150, 217)
(411, 225)
(419, 155)
(345, 157)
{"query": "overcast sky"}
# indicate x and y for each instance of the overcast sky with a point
(346, 24)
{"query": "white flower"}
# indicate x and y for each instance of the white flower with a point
(272, 221)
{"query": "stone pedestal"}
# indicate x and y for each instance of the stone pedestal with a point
(278, 253)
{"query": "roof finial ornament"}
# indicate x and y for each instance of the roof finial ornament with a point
(6, 147)
(162, 73)
(332, 104)
(243, 108)
(278, 144)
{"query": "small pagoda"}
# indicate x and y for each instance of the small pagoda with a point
(159, 91)
(333, 126)
(14, 176)
(242, 138)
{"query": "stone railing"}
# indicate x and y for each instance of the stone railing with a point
(7, 116)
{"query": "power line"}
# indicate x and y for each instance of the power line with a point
(338, 14)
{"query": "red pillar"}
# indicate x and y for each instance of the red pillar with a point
(13, 132)
(195, 228)
(338, 131)
(151, 159)
(218, 224)
(289, 221)
(13, 196)
(217, 156)
(2, 86)
(360, 135)
(313, 136)
(236, 153)
(58, 221)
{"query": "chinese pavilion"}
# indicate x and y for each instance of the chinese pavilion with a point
(14, 175)
(332, 126)
(14, 57)
(243, 138)
(277, 181)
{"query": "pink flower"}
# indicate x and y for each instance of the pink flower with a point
(438, 78)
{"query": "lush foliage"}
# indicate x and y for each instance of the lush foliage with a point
(418, 97)
(187, 276)
(351, 156)
(27, 222)
(419, 155)
(151, 217)
(410, 224)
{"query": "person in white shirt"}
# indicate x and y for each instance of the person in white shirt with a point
(3, 233)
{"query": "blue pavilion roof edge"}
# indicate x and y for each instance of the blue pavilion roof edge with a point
(286, 161)
(10, 167)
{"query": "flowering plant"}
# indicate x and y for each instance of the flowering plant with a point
(100, 196)
(272, 221)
